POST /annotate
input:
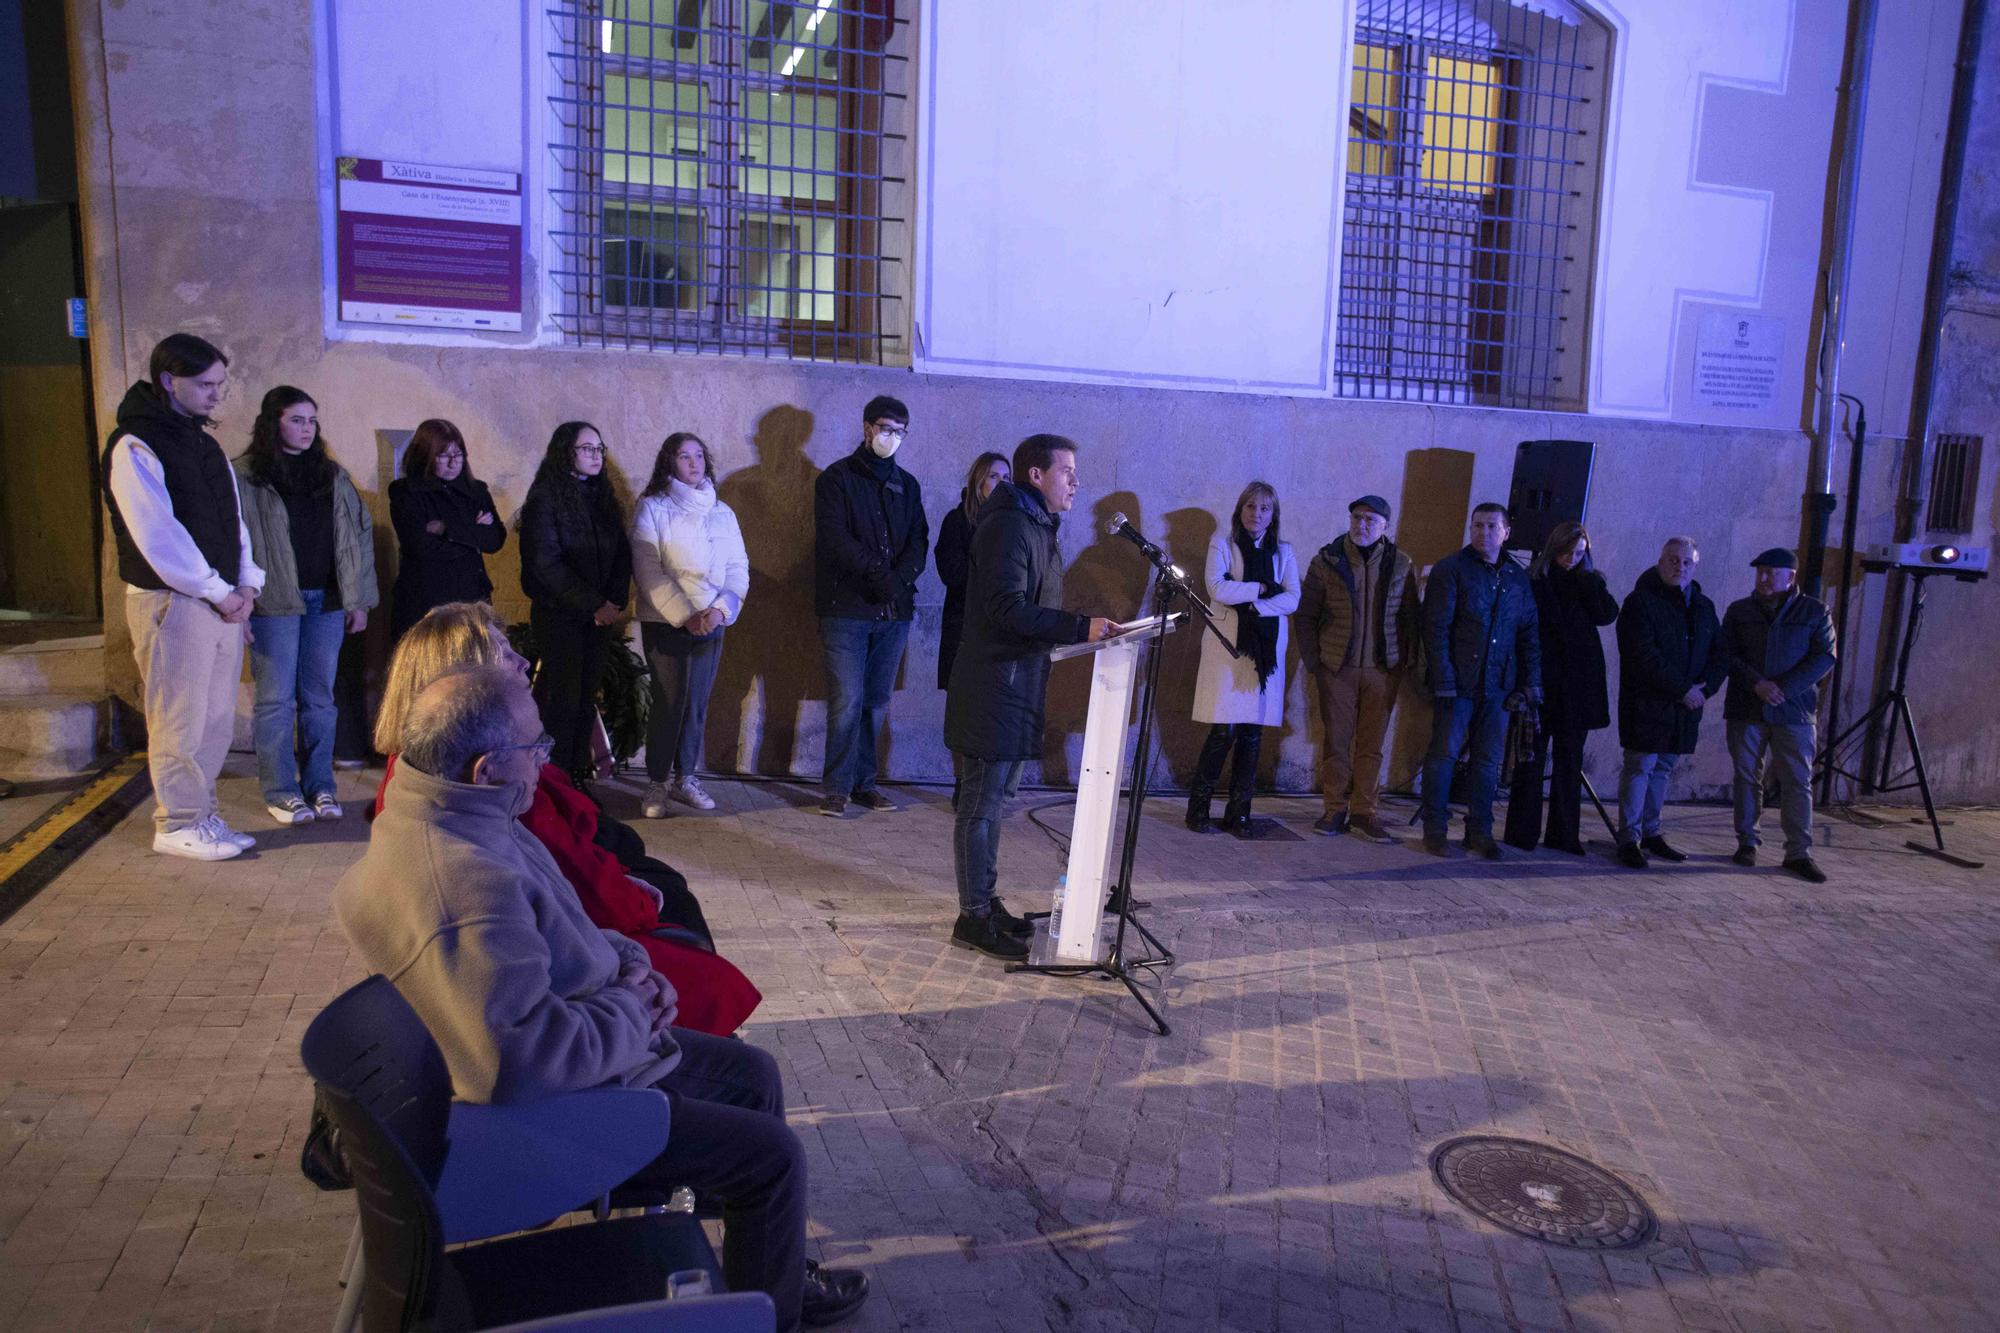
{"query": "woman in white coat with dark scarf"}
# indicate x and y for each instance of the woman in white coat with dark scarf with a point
(693, 574)
(1253, 584)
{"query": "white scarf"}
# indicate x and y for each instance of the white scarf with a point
(696, 500)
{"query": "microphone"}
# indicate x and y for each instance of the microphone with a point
(1119, 526)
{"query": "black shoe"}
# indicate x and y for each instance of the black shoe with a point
(988, 936)
(1019, 927)
(1657, 846)
(1805, 869)
(1746, 855)
(833, 807)
(1199, 823)
(831, 1294)
(1366, 829)
(1573, 848)
(874, 800)
(1630, 855)
(1482, 844)
(1330, 826)
(1436, 845)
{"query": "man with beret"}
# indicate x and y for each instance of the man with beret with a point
(1779, 645)
(1358, 627)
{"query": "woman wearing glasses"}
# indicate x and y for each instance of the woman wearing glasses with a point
(445, 523)
(576, 568)
(312, 537)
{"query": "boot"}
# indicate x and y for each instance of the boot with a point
(1242, 781)
(1199, 795)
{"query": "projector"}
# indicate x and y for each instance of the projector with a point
(1967, 561)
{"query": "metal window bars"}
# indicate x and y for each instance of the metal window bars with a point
(1462, 171)
(727, 176)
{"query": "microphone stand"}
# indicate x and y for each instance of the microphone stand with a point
(1168, 583)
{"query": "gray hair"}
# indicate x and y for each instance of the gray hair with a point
(458, 717)
(1688, 542)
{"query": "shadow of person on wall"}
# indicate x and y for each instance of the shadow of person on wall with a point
(1432, 514)
(1107, 578)
(1189, 532)
(771, 661)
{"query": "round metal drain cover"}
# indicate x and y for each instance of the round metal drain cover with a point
(1534, 1190)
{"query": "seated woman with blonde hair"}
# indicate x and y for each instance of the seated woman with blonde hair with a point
(640, 897)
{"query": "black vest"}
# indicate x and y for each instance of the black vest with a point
(199, 483)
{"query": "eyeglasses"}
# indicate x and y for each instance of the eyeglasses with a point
(893, 432)
(453, 457)
(545, 745)
(587, 448)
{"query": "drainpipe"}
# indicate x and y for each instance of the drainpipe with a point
(1819, 500)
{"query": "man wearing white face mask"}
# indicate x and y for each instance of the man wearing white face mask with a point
(870, 540)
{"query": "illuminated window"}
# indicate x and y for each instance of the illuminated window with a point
(1471, 130)
(726, 174)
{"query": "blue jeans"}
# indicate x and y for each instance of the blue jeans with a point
(1642, 793)
(983, 785)
(1452, 722)
(292, 660)
(861, 661)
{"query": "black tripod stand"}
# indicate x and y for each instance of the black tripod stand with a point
(1894, 706)
(1125, 959)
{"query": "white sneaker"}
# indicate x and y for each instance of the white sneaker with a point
(221, 832)
(195, 842)
(653, 804)
(688, 792)
(325, 806)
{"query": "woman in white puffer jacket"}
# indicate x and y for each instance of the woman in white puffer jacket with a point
(693, 574)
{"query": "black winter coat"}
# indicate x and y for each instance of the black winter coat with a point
(1570, 606)
(1667, 645)
(954, 564)
(1013, 616)
(870, 539)
(1479, 628)
(574, 555)
(442, 567)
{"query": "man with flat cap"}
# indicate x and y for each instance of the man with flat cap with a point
(1779, 645)
(1358, 626)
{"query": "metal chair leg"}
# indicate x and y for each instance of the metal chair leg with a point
(347, 1319)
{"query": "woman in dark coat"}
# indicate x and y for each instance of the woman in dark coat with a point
(576, 567)
(954, 553)
(445, 523)
(1571, 605)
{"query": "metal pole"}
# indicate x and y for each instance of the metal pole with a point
(1819, 500)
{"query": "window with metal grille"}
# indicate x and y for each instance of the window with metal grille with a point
(727, 176)
(1471, 141)
(1954, 484)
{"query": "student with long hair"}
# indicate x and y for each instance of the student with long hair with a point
(312, 537)
(954, 552)
(1571, 605)
(446, 525)
(1253, 582)
(576, 568)
(693, 574)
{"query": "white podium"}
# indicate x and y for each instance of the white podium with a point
(1076, 934)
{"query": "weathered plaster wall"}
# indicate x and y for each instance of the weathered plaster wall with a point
(202, 215)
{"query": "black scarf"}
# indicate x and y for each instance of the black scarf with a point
(298, 476)
(1258, 635)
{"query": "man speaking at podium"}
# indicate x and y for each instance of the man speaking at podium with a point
(995, 702)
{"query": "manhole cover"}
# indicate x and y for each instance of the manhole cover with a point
(1534, 1190)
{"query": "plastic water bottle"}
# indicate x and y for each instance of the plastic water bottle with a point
(681, 1200)
(1056, 906)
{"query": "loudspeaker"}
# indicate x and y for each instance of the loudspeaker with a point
(1551, 486)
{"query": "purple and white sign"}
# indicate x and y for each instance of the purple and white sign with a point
(429, 245)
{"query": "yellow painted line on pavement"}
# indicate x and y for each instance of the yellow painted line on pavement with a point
(38, 837)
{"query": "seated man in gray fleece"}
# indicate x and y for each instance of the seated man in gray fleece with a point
(462, 909)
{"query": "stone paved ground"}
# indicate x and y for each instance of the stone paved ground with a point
(1805, 1082)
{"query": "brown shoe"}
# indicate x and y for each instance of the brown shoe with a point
(1365, 828)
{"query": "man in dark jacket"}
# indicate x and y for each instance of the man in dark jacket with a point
(1357, 630)
(1485, 650)
(1779, 644)
(994, 708)
(1668, 665)
(184, 554)
(870, 538)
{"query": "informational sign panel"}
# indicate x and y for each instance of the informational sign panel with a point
(427, 245)
(1736, 360)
